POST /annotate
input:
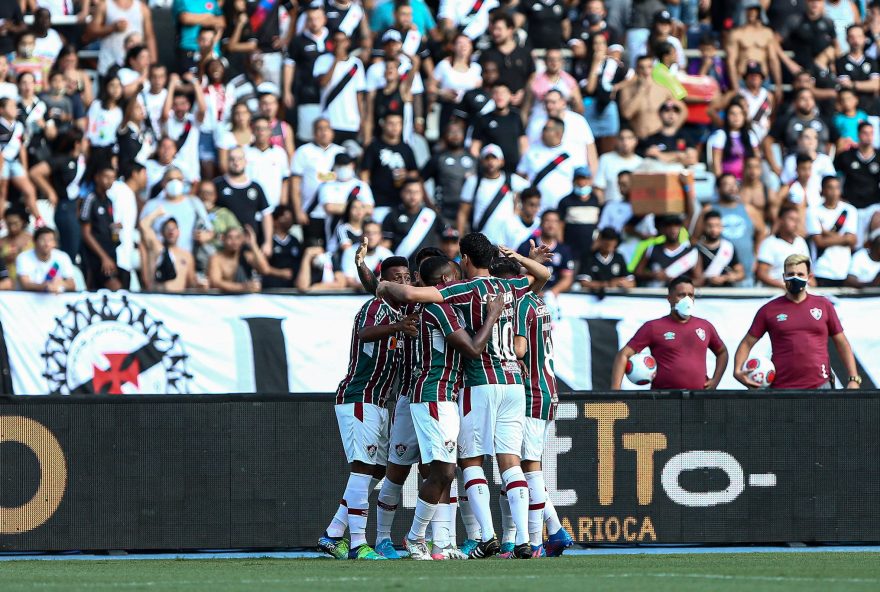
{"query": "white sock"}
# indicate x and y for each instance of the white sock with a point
(357, 497)
(386, 506)
(471, 526)
(537, 501)
(480, 500)
(508, 529)
(518, 496)
(340, 521)
(424, 513)
(440, 526)
(453, 511)
(551, 518)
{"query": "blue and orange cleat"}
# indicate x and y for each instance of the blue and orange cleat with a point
(557, 543)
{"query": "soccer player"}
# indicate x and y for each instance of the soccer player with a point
(533, 343)
(433, 401)
(491, 402)
(678, 342)
(362, 416)
(799, 325)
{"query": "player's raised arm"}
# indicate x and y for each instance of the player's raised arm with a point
(392, 292)
(365, 274)
(534, 263)
(473, 347)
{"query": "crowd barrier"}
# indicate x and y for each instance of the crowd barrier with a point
(233, 471)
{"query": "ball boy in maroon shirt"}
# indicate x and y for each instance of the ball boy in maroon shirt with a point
(678, 342)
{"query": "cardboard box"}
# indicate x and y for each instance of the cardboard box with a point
(657, 193)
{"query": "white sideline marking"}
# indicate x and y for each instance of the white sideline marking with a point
(762, 480)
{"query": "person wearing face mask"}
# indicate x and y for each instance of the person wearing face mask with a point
(177, 202)
(580, 212)
(679, 342)
(26, 61)
(332, 199)
(799, 325)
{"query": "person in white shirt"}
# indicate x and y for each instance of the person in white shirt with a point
(823, 166)
(13, 155)
(470, 17)
(526, 224)
(45, 268)
(113, 23)
(549, 164)
(611, 164)
(774, 249)
(8, 90)
(248, 87)
(488, 199)
(577, 133)
(184, 127)
(312, 165)
(343, 86)
(864, 269)
(832, 227)
(267, 164)
(177, 202)
(48, 42)
(376, 253)
(334, 195)
(123, 194)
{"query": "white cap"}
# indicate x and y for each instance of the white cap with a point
(492, 150)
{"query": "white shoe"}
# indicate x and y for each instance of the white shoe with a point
(450, 552)
(417, 550)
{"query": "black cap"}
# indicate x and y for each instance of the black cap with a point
(662, 16)
(754, 68)
(342, 159)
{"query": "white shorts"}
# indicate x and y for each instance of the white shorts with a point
(404, 447)
(364, 431)
(534, 435)
(12, 169)
(491, 420)
(436, 425)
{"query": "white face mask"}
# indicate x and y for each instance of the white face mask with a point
(174, 187)
(685, 307)
(344, 173)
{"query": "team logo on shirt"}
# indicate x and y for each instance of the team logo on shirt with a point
(252, 194)
(108, 344)
(400, 449)
(669, 335)
(450, 445)
(701, 334)
(781, 317)
(371, 450)
(816, 312)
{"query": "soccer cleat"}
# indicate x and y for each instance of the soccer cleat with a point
(468, 546)
(418, 550)
(523, 551)
(485, 549)
(336, 548)
(364, 551)
(386, 549)
(557, 543)
(538, 551)
(506, 548)
(450, 552)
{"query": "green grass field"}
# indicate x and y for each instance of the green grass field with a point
(800, 572)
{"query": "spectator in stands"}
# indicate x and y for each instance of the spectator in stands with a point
(194, 66)
(561, 262)
(804, 191)
(787, 129)
(100, 236)
(554, 77)
(167, 267)
(123, 194)
(668, 259)
(135, 72)
(134, 138)
(847, 119)
(710, 64)
(17, 239)
(718, 264)
(845, 14)
(25, 62)
(669, 144)
(549, 166)
(376, 253)
(775, 248)
(248, 86)
(59, 106)
(7, 89)
(13, 153)
(641, 99)
(350, 230)
(44, 268)
(449, 244)
(733, 144)
(547, 23)
(282, 134)
(412, 225)
(741, 224)
(502, 127)
(577, 135)
(759, 102)
(604, 266)
(395, 69)
(332, 204)
(236, 268)
(115, 20)
(854, 71)
(812, 33)
(859, 168)
(753, 192)
(611, 164)
(864, 269)
(300, 88)
(387, 162)
(386, 13)
(525, 224)
(48, 42)
(808, 145)
(587, 24)
(580, 214)
(392, 97)
(516, 67)
(286, 253)
(832, 227)
(183, 125)
(245, 198)
(311, 166)
(13, 24)
(154, 96)
(343, 85)
(178, 204)
(347, 16)
(661, 32)
(191, 16)
(752, 48)
(240, 133)
(606, 75)
(449, 168)
(456, 75)
(268, 165)
(104, 120)
(32, 111)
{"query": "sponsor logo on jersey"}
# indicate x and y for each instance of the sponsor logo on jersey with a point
(701, 334)
(816, 312)
(781, 317)
(669, 335)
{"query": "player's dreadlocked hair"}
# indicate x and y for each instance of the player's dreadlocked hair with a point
(504, 267)
(479, 250)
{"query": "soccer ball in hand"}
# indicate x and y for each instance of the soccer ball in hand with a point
(760, 370)
(641, 369)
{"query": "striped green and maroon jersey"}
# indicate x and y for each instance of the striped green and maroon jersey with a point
(371, 366)
(438, 369)
(498, 364)
(533, 322)
(407, 359)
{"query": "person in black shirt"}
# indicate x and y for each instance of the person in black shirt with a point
(503, 127)
(387, 163)
(412, 225)
(604, 267)
(299, 87)
(515, 64)
(478, 101)
(547, 24)
(587, 24)
(719, 264)
(860, 168)
(244, 198)
(811, 34)
(857, 71)
(580, 213)
(13, 24)
(669, 145)
(388, 100)
(561, 263)
(286, 255)
(100, 235)
(449, 168)
(133, 134)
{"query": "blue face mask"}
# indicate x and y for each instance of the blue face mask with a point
(582, 191)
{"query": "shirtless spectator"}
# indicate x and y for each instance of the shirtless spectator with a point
(752, 190)
(641, 98)
(754, 42)
(231, 269)
(167, 267)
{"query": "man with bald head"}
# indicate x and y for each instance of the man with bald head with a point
(245, 198)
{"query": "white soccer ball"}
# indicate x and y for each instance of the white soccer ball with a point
(641, 369)
(761, 370)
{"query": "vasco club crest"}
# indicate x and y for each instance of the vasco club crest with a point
(108, 344)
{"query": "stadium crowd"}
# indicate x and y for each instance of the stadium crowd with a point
(277, 134)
